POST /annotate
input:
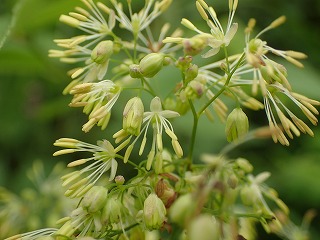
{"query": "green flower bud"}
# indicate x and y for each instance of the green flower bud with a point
(233, 181)
(191, 72)
(248, 195)
(203, 227)
(135, 71)
(184, 62)
(194, 89)
(154, 212)
(113, 211)
(95, 199)
(151, 64)
(237, 125)
(244, 165)
(119, 180)
(182, 209)
(102, 52)
(133, 116)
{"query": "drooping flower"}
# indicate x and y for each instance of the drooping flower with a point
(103, 159)
(277, 112)
(158, 119)
(217, 38)
(97, 100)
(90, 47)
(271, 78)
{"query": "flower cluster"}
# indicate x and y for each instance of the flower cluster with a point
(103, 159)
(251, 68)
(120, 72)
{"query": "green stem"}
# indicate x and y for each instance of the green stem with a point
(223, 88)
(194, 132)
(150, 89)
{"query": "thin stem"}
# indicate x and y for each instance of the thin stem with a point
(223, 88)
(150, 89)
(194, 132)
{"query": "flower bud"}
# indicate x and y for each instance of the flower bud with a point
(203, 227)
(113, 211)
(248, 195)
(244, 164)
(233, 181)
(182, 209)
(237, 125)
(95, 199)
(154, 212)
(151, 64)
(194, 89)
(133, 116)
(191, 72)
(119, 180)
(184, 62)
(135, 71)
(102, 51)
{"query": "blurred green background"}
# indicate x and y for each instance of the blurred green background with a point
(34, 113)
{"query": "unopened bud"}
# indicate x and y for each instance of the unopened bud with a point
(113, 211)
(133, 116)
(249, 195)
(191, 72)
(233, 181)
(194, 89)
(184, 62)
(204, 227)
(102, 51)
(151, 64)
(95, 199)
(154, 212)
(135, 71)
(182, 209)
(119, 180)
(244, 164)
(237, 125)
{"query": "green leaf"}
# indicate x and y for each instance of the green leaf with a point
(7, 23)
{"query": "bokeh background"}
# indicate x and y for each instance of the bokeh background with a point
(34, 113)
